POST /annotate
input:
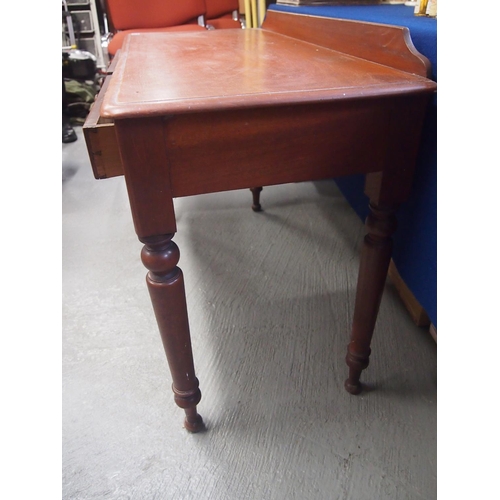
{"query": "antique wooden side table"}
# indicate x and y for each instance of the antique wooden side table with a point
(302, 98)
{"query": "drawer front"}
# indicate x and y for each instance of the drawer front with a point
(101, 141)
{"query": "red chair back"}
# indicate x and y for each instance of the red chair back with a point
(217, 8)
(150, 14)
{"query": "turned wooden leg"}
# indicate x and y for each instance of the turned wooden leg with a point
(256, 199)
(375, 259)
(166, 287)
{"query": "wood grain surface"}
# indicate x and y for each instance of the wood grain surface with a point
(170, 73)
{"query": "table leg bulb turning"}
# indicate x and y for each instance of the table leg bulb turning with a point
(165, 281)
(374, 264)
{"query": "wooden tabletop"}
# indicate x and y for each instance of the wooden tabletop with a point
(173, 73)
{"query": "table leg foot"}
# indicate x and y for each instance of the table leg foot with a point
(357, 363)
(193, 421)
(166, 287)
(374, 264)
(353, 388)
(188, 401)
(256, 207)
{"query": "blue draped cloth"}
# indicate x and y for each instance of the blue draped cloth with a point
(415, 242)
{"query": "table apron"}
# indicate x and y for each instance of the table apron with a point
(226, 150)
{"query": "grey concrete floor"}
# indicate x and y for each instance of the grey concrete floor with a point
(270, 299)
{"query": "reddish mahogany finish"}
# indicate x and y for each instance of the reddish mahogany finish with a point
(161, 74)
(166, 287)
(375, 259)
(205, 112)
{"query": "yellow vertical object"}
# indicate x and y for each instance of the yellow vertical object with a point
(254, 13)
(248, 14)
(421, 8)
(262, 11)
